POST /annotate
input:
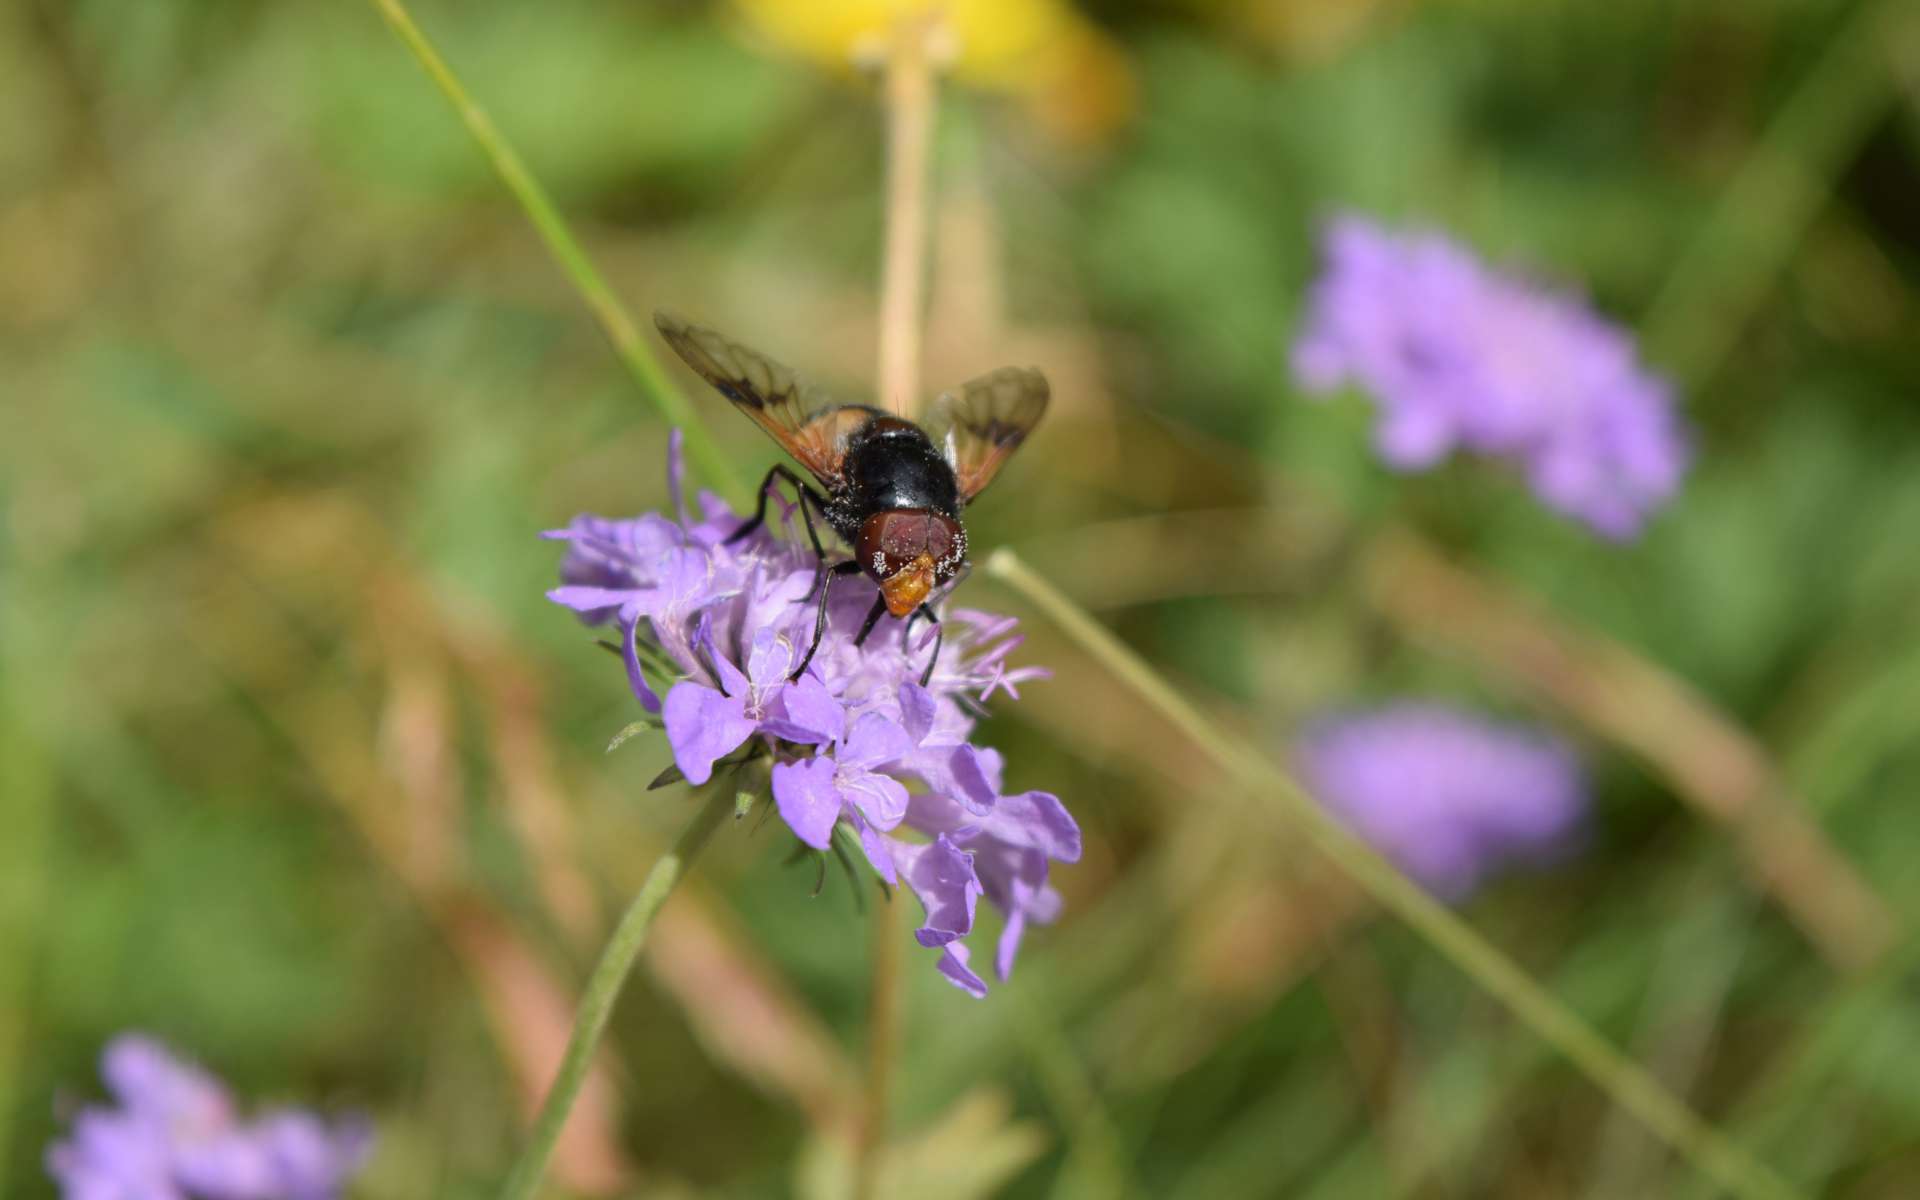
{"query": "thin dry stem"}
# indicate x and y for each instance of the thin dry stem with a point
(883, 1036)
(910, 98)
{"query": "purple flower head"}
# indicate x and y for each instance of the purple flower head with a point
(1449, 797)
(177, 1136)
(1460, 356)
(856, 740)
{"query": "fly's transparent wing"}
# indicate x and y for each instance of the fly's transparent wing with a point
(806, 423)
(986, 420)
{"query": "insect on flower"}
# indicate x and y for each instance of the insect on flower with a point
(890, 492)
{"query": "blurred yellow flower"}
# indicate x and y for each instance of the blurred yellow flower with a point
(1045, 52)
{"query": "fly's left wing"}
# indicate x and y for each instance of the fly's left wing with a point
(807, 424)
(986, 420)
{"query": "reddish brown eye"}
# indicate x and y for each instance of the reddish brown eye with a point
(947, 543)
(881, 548)
(889, 542)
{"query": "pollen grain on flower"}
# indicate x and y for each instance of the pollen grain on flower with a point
(1460, 356)
(856, 739)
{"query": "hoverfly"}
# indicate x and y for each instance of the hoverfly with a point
(889, 491)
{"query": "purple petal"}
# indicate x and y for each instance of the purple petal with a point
(770, 659)
(917, 711)
(874, 845)
(310, 1157)
(1038, 820)
(806, 712)
(112, 1155)
(1458, 354)
(150, 1082)
(717, 522)
(583, 599)
(1449, 797)
(941, 876)
(971, 772)
(690, 581)
(773, 597)
(873, 740)
(703, 726)
(953, 964)
(677, 472)
(808, 799)
(234, 1166)
(731, 681)
(1009, 944)
(289, 1155)
(636, 679)
(881, 799)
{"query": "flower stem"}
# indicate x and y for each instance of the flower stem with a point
(883, 1037)
(603, 989)
(1632, 1088)
(910, 101)
(614, 320)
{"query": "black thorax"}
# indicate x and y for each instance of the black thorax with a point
(892, 464)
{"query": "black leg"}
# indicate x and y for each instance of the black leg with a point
(820, 613)
(805, 493)
(939, 635)
(874, 614)
(808, 500)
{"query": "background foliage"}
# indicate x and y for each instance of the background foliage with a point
(299, 770)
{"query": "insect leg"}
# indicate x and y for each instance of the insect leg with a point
(759, 510)
(820, 614)
(939, 635)
(874, 614)
(782, 471)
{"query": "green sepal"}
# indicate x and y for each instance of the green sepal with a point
(842, 835)
(640, 726)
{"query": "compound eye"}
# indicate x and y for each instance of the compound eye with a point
(889, 542)
(947, 543)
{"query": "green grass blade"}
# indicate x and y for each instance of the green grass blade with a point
(574, 263)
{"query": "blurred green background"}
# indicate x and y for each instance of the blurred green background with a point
(300, 771)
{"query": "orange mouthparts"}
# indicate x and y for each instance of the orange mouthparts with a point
(907, 588)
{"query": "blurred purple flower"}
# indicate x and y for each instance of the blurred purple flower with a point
(727, 623)
(1459, 355)
(176, 1136)
(1449, 797)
